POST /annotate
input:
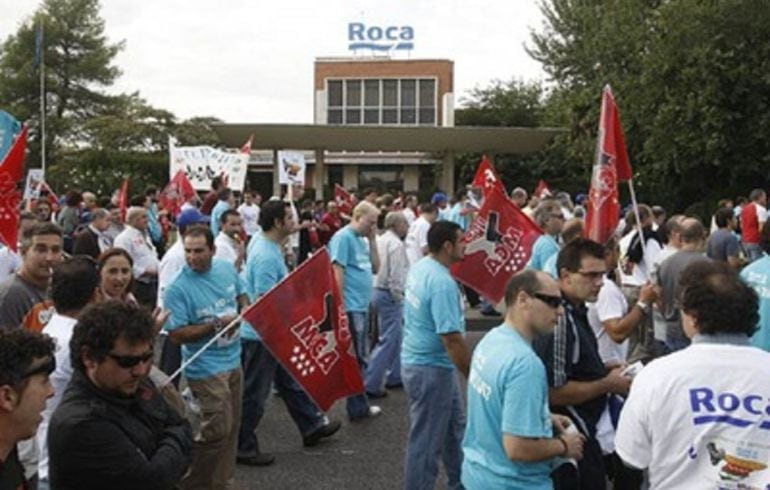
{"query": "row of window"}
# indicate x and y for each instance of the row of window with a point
(382, 101)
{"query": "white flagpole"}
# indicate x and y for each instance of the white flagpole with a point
(642, 241)
(42, 97)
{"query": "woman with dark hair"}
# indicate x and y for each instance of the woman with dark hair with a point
(115, 269)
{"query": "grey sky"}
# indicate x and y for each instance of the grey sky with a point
(252, 60)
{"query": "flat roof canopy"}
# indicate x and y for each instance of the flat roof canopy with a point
(386, 138)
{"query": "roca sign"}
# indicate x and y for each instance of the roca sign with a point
(380, 38)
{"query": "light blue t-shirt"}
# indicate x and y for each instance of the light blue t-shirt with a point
(550, 266)
(757, 275)
(216, 215)
(545, 246)
(443, 213)
(350, 250)
(507, 394)
(455, 216)
(432, 307)
(265, 267)
(195, 298)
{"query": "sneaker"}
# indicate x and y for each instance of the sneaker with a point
(374, 411)
(257, 459)
(327, 430)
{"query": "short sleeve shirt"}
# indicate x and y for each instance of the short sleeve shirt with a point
(722, 244)
(610, 305)
(351, 251)
(195, 298)
(507, 394)
(545, 246)
(265, 268)
(432, 307)
(757, 275)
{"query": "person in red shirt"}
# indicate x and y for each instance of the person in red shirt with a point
(212, 197)
(753, 216)
(330, 223)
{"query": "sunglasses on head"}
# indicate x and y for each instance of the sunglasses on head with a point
(552, 301)
(131, 361)
(46, 368)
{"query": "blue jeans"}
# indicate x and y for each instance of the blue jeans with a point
(753, 251)
(386, 356)
(261, 370)
(358, 405)
(436, 426)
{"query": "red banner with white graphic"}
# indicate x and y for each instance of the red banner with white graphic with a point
(178, 191)
(344, 199)
(11, 174)
(610, 167)
(303, 323)
(498, 244)
(486, 178)
(542, 191)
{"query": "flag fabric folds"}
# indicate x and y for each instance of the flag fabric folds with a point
(178, 191)
(498, 244)
(486, 178)
(11, 175)
(610, 167)
(344, 199)
(303, 323)
(542, 191)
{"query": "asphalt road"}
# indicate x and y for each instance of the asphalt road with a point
(363, 455)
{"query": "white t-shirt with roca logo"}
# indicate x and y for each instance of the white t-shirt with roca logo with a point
(700, 419)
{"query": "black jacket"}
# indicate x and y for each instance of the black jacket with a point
(100, 441)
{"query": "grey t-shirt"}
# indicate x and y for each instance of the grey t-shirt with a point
(17, 297)
(668, 278)
(722, 244)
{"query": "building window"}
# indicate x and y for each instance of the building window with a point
(384, 178)
(407, 101)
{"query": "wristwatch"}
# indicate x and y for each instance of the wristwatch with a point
(217, 323)
(645, 307)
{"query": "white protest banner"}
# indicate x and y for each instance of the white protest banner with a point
(202, 163)
(291, 168)
(32, 187)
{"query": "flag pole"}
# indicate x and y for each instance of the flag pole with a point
(642, 241)
(42, 98)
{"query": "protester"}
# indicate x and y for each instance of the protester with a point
(550, 218)
(74, 285)
(411, 208)
(265, 268)
(41, 250)
(136, 241)
(572, 230)
(229, 242)
(723, 244)
(757, 275)
(417, 236)
(10, 260)
(519, 197)
(693, 419)
(512, 439)
(43, 210)
(68, 217)
(433, 347)
(225, 201)
(203, 300)
(578, 379)
(384, 367)
(249, 211)
(330, 223)
(154, 227)
(354, 262)
(116, 275)
(113, 429)
(93, 240)
(441, 202)
(672, 232)
(753, 216)
(212, 197)
(116, 224)
(26, 361)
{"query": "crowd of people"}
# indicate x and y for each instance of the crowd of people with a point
(641, 361)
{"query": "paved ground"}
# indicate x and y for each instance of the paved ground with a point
(365, 455)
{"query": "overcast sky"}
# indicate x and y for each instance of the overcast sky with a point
(252, 60)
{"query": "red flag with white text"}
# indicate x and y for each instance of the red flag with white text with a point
(542, 191)
(486, 178)
(123, 200)
(178, 191)
(344, 199)
(11, 175)
(303, 323)
(610, 167)
(498, 244)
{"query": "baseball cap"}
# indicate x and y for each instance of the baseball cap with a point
(191, 217)
(438, 197)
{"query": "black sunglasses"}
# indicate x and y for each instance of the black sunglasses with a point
(131, 361)
(46, 368)
(552, 301)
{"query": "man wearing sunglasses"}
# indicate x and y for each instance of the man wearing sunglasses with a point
(508, 393)
(26, 360)
(578, 379)
(113, 428)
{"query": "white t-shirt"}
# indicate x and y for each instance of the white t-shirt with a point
(250, 216)
(610, 304)
(416, 239)
(409, 215)
(641, 273)
(226, 249)
(692, 413)
(10, 262)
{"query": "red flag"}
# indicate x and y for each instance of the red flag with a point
(123, 200)
(610, 167)
(486, 178)
(177, 192)
(302, 321)
(11, 174)
(542, 190)
(498, 244)
(344, 199)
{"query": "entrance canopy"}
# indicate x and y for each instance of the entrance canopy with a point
(432, 139)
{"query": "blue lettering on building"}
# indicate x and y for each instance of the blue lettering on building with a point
(729, 408)
(361, 36)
